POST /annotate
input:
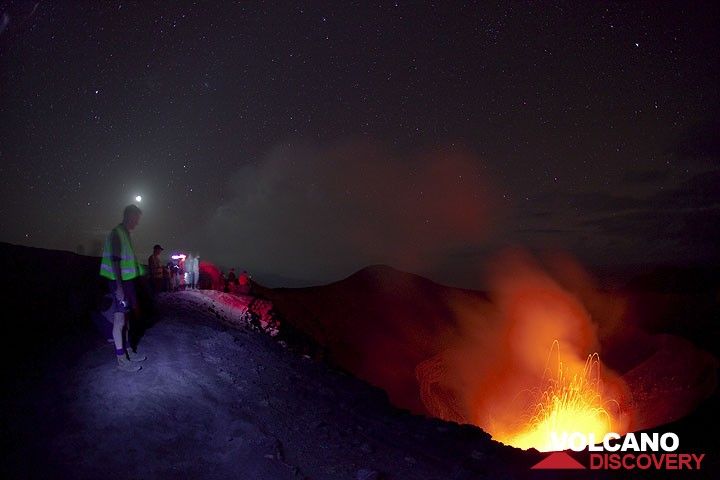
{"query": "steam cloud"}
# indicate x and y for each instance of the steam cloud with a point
(333, 210)
(485, 376)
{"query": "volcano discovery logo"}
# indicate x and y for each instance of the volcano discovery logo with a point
(642, 452)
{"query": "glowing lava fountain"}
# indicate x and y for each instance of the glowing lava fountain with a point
(567, 402)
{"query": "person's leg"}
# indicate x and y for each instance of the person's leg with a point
(119, 333)
(132, 318)
(118, 327)
(126, 335)
(130, 352)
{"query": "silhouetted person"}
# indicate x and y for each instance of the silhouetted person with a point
(166, 277)
(244, 283)
(231, 280)
(196, 271)
(120, 266)
(172, 276)
(181, 274)
(190, 270)
(156, 270)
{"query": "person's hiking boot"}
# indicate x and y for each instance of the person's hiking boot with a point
(126, 365)
(133, 356)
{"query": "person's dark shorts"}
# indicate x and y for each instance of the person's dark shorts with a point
(129, 291)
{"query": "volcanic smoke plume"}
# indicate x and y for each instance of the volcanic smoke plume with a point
(351, 204)
(527, 368)
(528, 358)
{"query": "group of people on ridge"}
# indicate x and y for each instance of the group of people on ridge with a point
(120, 267)
(237, 283)
(172, 277)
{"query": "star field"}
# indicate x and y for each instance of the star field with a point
(590, 128)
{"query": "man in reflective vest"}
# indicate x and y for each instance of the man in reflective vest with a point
(120, 266)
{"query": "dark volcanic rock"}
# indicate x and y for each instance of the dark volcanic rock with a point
(214, 401)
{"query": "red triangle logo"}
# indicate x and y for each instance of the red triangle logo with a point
(558, 461)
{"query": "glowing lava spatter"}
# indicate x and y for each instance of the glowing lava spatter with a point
(568, 402)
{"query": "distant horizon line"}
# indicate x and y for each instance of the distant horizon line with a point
(602, 272)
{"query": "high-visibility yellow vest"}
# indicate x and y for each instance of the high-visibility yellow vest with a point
(129, 266)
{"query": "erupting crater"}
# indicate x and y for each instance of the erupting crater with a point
(570, 400)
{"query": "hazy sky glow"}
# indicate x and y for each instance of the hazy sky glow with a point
(307, 141)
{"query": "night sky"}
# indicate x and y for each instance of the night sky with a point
(308, 141)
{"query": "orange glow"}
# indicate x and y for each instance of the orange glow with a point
(497, 372)
(570, 400)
